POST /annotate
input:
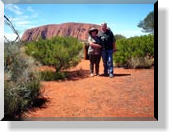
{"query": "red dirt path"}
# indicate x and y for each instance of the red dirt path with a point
(129, 94)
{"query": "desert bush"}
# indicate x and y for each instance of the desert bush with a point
(21, 81)
(140, 62)
(59, 52)
(50, 75)
(135, 52)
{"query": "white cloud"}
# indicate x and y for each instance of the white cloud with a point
(10, 36)
(21, 22)
(123, 30)
(14, 8)
(30, 9)
(19, 18)
(130, 33)
(24, 22)
(22, 19)
(34, 15)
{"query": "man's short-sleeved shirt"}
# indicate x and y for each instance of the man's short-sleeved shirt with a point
(107, 39)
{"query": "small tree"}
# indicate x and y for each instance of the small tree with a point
(60, 52)
(148, 23)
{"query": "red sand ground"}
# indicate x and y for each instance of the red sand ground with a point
(129, 94)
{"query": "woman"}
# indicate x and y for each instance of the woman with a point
(94, 51)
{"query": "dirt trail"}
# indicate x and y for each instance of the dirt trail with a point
(129, 94)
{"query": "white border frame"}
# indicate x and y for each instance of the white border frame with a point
(1, 60)
(80, 1)
(161, 124)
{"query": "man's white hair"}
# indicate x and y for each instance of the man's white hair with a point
(104, 23)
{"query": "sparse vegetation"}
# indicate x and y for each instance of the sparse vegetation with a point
(50, 75)
(21, 81)
(135, 52)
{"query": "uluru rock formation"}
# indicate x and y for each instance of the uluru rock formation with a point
(77, 30)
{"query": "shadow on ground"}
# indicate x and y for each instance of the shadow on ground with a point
(39, 102)
(64, 75)
(121, 75)
(77, 74)
(116, 75)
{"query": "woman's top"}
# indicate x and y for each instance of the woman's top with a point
(94, 50)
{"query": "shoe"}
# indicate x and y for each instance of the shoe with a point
(111, 75)
(92, 75)
(97, 75)
(105, 74)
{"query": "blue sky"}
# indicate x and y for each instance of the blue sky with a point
(121, 18)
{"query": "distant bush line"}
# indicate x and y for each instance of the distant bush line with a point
(135, 52)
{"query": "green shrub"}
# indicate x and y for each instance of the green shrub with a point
(59, 52)
(49, 75)
(134, 52)
(21, 81)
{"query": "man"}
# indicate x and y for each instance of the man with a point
(108, 48)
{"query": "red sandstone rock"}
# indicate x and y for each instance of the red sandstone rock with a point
(77, 30)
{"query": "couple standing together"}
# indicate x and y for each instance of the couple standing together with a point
(101, 44)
